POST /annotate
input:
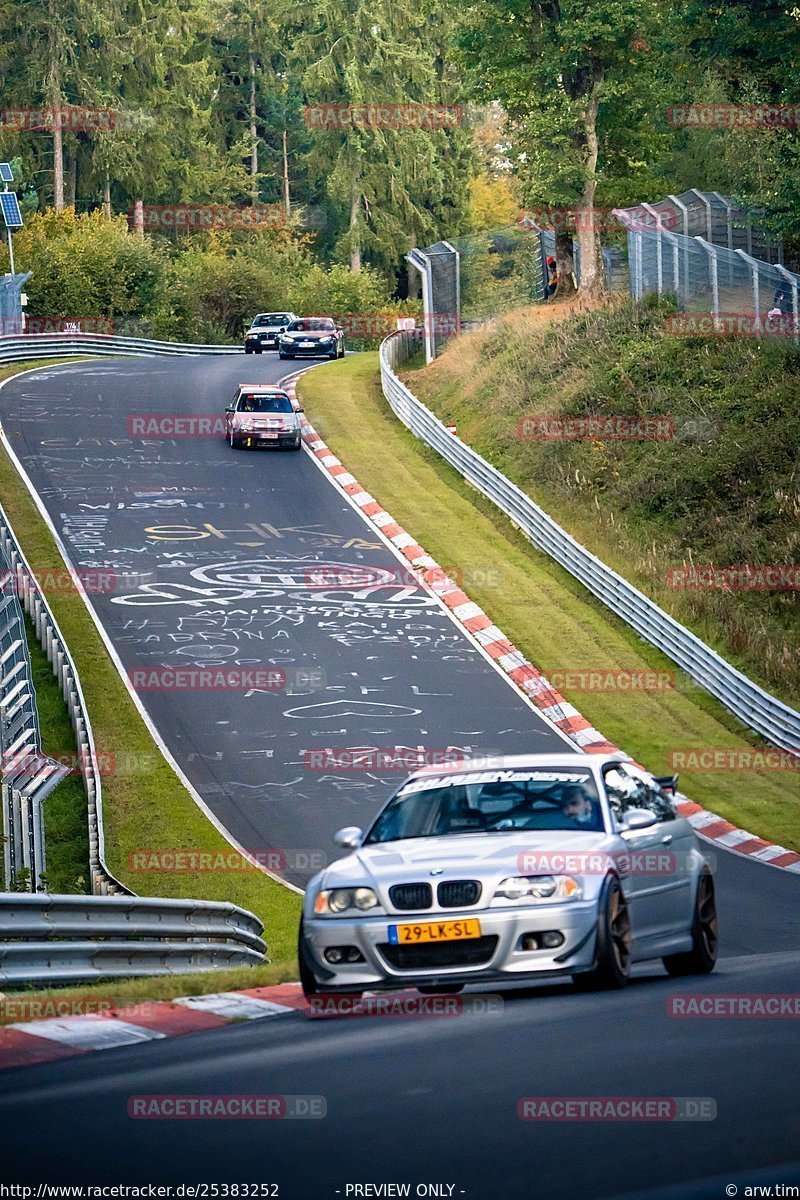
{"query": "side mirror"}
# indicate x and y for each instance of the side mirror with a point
(349, 838)
(299, 408)
(640, 818)
(231, 409)
(282, 329)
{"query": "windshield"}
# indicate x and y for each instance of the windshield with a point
(265, 404)
(313, 325)
(270, 319)
(489, 802)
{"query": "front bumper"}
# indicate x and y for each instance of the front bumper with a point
(263, 342)
(317, 351)
(499, 957)
(257, 438)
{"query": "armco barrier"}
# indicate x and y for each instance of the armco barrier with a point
(32, 598)
(65, 345)
(768, 716)
(46, 938)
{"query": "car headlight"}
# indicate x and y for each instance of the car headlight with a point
(246, 426)
(329, 338)
(342, 900)
(285, 338)
(535, 889)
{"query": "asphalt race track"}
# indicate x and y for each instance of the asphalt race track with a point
(409, 1100)
(252, 560)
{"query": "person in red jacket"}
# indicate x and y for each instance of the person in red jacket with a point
(552, 280)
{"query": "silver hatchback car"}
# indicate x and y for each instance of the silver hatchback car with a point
(510, 869)
(260, 415)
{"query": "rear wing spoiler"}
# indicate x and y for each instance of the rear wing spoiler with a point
(667, 783)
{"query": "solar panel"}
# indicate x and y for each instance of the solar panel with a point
(9, 205)
(6, 174)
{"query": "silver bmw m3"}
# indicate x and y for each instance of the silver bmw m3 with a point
(508, 869)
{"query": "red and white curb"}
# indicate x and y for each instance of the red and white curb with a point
(51, 1038)
(535, 686)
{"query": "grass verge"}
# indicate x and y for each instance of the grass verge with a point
(147, 807)
(66, 833)
(717, 484)
(548, 615)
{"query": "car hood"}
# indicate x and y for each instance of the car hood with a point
(314, 335)
(484, 856)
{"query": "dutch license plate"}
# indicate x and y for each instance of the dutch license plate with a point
(269, 435)
(307, 345)
(434, 931)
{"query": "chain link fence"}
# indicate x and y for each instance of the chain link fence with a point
(11, 303)
(719, 219)
(718, 288)
(474, 278)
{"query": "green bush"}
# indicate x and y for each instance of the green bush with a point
(88, 265)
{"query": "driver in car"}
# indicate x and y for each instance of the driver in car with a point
(576, 805)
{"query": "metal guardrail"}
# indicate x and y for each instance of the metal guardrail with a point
(15, 749)
(65, 345)
(47, 938)
(756, 708)
(28, 775)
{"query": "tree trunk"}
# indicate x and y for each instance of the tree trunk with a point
(253, 132)
(54, 103)
(72, 178)
(287, 201)
(591, 280)
(413, 283)
(107, 194)
(355, 246)
(565, 265)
